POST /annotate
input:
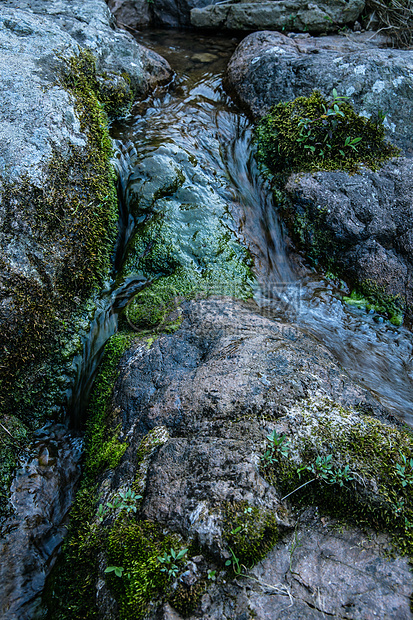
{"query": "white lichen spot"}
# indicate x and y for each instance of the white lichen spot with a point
(365, 114)
(388, 125)
(255, 60)
(350, 90)
(337, 60)
(360, 70)
(397, 81)
(275, 50)
(378, 86)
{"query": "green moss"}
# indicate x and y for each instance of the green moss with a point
(375, 495)
(75, 210)
(312, 133)
(13, 436)
(186, 598)
(373, 298)
(136, 545)
(249, 532)
(101, 444)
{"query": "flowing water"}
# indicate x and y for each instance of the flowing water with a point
(195, 114)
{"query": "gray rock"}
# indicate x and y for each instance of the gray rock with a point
(218, 385)
(362, 222)
(175, 13)
(286, 15)
(135, 14)
(267, 68)
(369, 218)
(40, 125)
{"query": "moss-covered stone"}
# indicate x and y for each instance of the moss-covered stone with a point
(75, 211)
(312, 133)
(122, 539)
(373, 492)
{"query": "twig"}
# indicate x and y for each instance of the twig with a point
(298, 488)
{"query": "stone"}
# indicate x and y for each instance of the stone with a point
(219, 384)
(134, 14)
(363, 223)
(285, 15)
(40, 125)
(369, 219)
(269, 67)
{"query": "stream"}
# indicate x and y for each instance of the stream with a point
(196, 115)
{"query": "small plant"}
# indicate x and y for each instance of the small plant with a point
(405, 471)
(278, 446)
(212, 575)
(235, 562)
(322, 469)
(170, 561)
(118, 570)
(124, 500)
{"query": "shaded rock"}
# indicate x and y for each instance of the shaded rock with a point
(267, 68)
(41, 496)
(363, 223)
(131, 13)
(288, 15)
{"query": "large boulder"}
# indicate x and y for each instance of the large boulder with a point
(285, 15)
(62, 65)
(269, 67)
(192, 411)
(59, 61)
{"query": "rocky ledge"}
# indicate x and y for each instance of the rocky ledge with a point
(287, 15)
(359, 226)
(187, 495)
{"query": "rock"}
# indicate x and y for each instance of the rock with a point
(175, 13)
(286, 15)
(319, 570)
(363, 223)
(358, 225)
(46, 219)
(267, 68)
(134, 14)
(219, 384)
(41, 496)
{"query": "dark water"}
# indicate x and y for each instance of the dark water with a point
(195, 114)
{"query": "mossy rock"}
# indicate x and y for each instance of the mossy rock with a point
(249, 532)
(312, 133)
(374, 490)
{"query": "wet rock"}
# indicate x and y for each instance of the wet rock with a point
(267, 68)
(219, 384)
(360, 225)
(41, 496)
(42, 130)
(288, 15)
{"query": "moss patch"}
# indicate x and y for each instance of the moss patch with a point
(312, 133)
(249, 532)
(373, 493)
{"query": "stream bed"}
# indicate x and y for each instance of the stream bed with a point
(194, 115)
